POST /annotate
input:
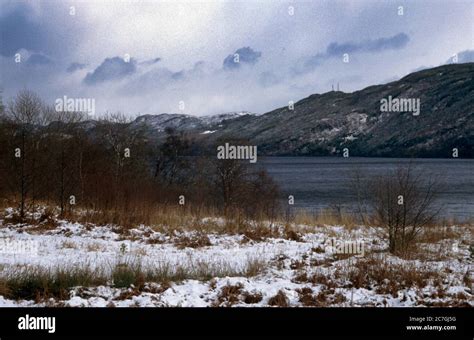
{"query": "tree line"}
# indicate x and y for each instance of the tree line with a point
(66, 160)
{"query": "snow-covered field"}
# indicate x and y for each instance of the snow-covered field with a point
(233, 270)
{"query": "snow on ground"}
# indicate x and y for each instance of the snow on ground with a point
(307, 271)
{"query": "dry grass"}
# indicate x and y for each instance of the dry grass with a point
(279, 300)
(297, 264)
(372, 272)
(15, 219)
(136, 291)
(435, 234)
(324, 298)
(167, 219)
(131, 271)
(326, 217)
(252, 298)
(47, 220)
(307, 298)
(95, 247)
(450, 221)
(389, 278)
(317, 278)
(291, 234)
(196, 240)
(229, 295)
(140, 252)
(68, 245)
(159, 217)
(234, 294)
(259, 233)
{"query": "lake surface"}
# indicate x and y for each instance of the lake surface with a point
(321, 182)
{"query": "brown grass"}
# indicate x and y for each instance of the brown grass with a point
(95, 247)
(251, 298)
(326, 217)
(438, 233)
(374, 272)
(171, 218)
(297, 264)
(257, 233)
(197, 240)
(159, 217)
(68, 245)
(306, 297)
(388, 277)
(291, 234)
(46, 221)
(229, 295)
(15, 219)
(316, 278)
(279, 300)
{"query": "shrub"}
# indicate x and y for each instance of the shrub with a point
(403, 202)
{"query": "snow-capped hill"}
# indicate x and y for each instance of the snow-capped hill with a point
(184, 122)
(170, 120)
(219, 118)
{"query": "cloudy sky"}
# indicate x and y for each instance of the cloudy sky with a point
(146, 57)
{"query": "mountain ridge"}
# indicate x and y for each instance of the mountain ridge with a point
(325, 124)
(330, 123)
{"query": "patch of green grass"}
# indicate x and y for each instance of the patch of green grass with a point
(35, 283)
(39, 284)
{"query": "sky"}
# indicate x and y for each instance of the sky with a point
(210, 57)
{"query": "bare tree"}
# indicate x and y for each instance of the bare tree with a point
(64, 145)
(262, 197)
(403, 201)
(171, 165)
(122, 139)
(25, 112)
(230, 176)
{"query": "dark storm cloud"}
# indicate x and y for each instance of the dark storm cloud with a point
(336, 49)
(39, 59)
(398, 41)
(246, 55)
(111, 69)
(75, 67)
(151, 61)
(178, 75)
(18, 30)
